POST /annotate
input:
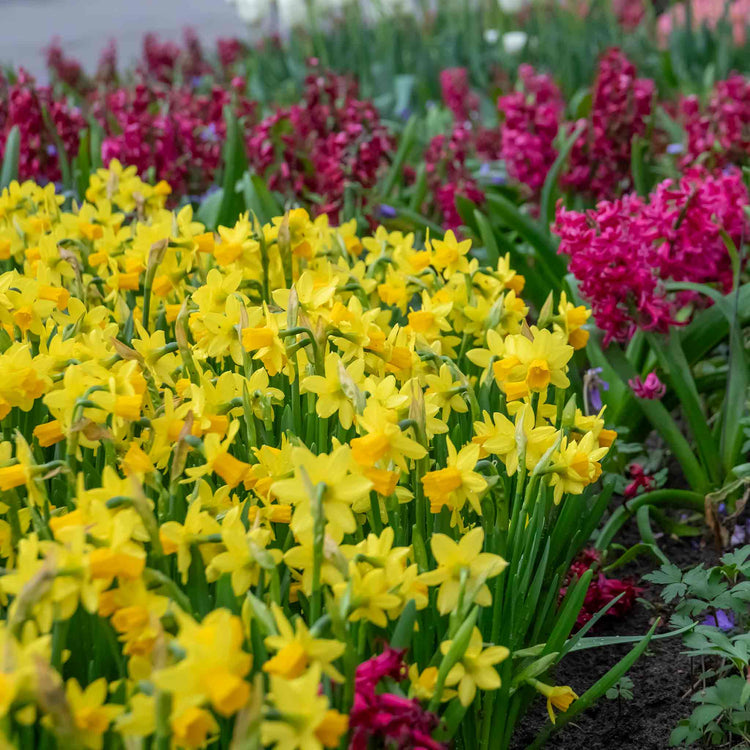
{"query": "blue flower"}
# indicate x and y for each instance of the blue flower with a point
(723, 619)
(387, 212)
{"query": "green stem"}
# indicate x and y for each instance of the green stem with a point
(662, 422)
(672, 359)
(678, 498)
(316, 599)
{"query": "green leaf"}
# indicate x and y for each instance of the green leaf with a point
(62, 154)
(647, 534)
(673, 498)
(82, 165)
(619, 640)
(566, 618)
(531, 651)
(668, 573)
(704, 715)
(580, 103)
(571, 643)
(9, 171)
(661, 420)
(536, 236)
(638, 166)
(95, 146)
(235, 164)
(631, 554)
(466, 210)
(488, 238)
(404, 87)
(537, 667)
(672, 358)
(208, 211)
(262, 614)
(404, 630)
(709, 327)
(419, 221)
(547, 202)
(597, 690)
(258, 198)
(407, 140)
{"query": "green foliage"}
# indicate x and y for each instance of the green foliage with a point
(622, 690)
(712, 601)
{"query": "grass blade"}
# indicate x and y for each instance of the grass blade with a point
(9, 171)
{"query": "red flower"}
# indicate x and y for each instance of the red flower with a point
(623, 251)
(531, 119)
(651, 388)
(600, 158)
(447, 173)
(317, 147)
(601, 591)
(457, 96)
(640, 479)
(387, 717)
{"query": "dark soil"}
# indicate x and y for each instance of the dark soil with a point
(662, 676)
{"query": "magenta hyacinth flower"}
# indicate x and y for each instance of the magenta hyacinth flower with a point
(651, 388)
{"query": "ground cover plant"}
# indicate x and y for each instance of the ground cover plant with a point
(349, 390)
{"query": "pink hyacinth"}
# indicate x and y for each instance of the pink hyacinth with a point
(457, 95)
(629, 13)
(331, 139)
(651, 389)
(531, 119)
(623, 251)
(22, 104)
(602, 590)
(448, 175)
(720, 132)
(708, 13)
(172, 130)
(390, 719)
(639, 480)
(621, 106)
(106, 68)
(230, 51)
(64, 68)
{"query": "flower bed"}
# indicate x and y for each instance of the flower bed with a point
(308, 431)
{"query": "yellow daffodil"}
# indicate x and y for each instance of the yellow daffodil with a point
(476, 667)
(91, 715)
(297, 649)
(457, 483)
(560, 696)
(305, 721)
(462, 559)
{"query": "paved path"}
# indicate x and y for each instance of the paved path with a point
(85, 26)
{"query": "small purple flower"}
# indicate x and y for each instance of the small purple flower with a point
(387, 212)
(675, 148)
(722, 619)
(209, 133)
(51, 150)
(740, 535)
(593, 386)
(651, 388)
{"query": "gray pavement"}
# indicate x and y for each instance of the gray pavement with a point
(85, 26)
